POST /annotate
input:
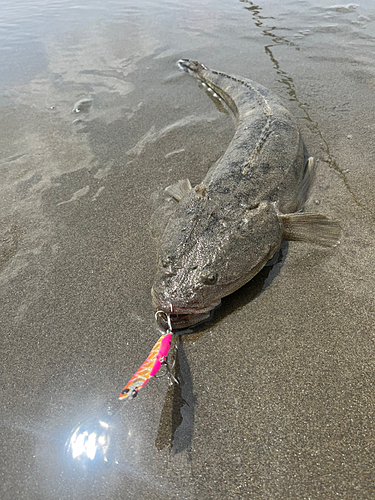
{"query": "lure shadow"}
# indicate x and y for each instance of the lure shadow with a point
(177, 418)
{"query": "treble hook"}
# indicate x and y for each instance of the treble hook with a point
(167, 317)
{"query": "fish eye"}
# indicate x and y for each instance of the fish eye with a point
(209, 278)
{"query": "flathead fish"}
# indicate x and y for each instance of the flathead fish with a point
(225, 229)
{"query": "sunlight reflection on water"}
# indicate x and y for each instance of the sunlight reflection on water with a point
(91, 440)
(86, 444)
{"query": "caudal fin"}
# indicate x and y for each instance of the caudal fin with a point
(190, 66)
(311, 228)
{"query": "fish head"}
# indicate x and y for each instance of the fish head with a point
(209, 255)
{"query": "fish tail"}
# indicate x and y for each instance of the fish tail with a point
(216, 81)
(191, 66)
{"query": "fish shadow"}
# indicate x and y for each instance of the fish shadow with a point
(176, 425)
(249, 292)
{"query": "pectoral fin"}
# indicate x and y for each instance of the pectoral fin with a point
(164, 212)
(161, 216)
(178, 190)
(311, 228)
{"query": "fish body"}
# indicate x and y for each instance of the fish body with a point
(224, 230)
(149, 368)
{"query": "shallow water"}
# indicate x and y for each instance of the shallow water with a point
(277, 393)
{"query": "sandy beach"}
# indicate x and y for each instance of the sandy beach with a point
(277, 390)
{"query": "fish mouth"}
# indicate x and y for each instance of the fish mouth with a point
(181, 317)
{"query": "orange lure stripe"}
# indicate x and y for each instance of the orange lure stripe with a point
(149, 368)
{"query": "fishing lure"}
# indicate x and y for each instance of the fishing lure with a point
(156, 358)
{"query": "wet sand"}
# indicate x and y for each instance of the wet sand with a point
(277, 395)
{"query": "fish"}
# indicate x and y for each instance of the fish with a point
(224, 230)
(150, 367)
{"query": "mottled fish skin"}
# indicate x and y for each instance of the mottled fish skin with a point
(225, 229)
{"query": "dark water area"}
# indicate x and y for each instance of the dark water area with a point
(276, 394)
